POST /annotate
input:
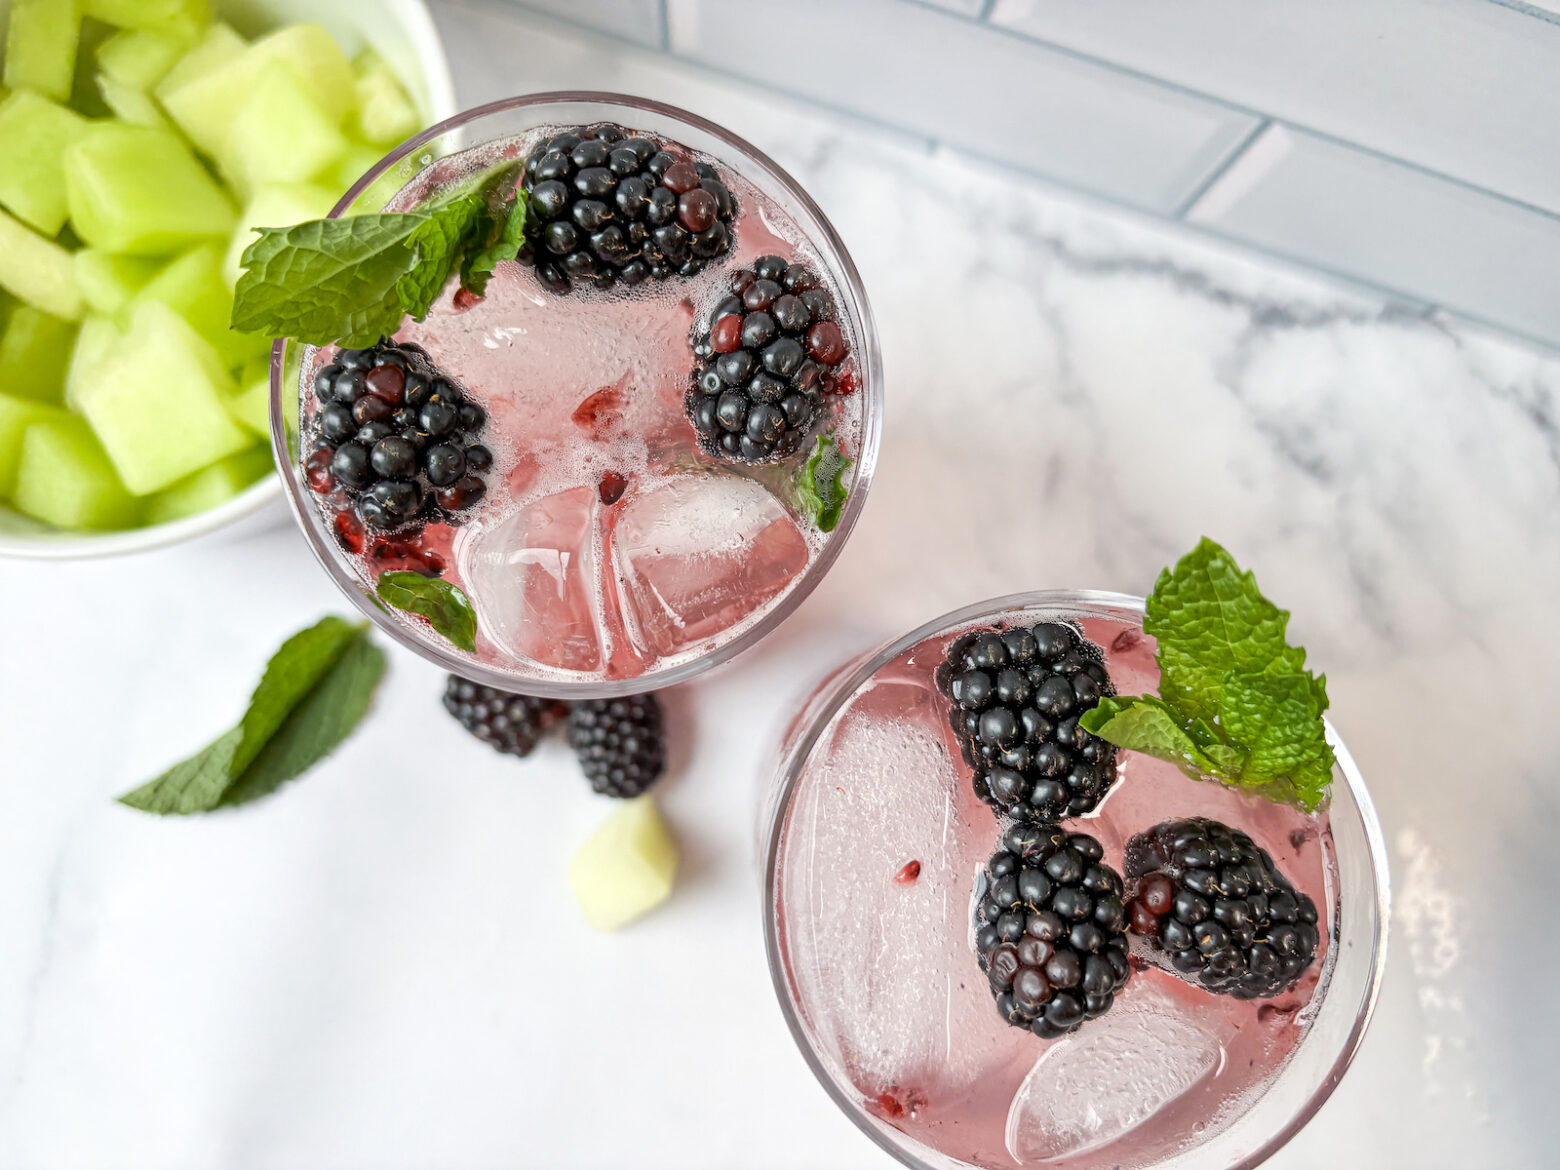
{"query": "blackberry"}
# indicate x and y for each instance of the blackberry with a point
(396, 437)
(613, 206)
(509, 723)
(1017, 695)
(1050, 930)
(768, 354)
(1219, 908)
(621, 743)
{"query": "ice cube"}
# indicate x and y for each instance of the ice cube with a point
(1110, 1076)
(532, 578)
(887, 975)
(697, 553)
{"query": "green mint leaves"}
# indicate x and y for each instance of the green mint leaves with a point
(447, 609)
(820, 484)
(353, 280)
(1235, 701)
(315, 691)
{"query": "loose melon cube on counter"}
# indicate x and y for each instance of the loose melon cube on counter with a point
(16, 415)
(158, 401)
(192, 285)
(65, 479)
(385, 113)
(183, 19)
(108, 280)
(130, 104)
(34, 133)
(37, 270)
(139, 58)
(40, 46)
(280, 133)
(210, 486)
(275, 205)
(34, 352)
(627, 866)
(252, 404)
(140, 190)
(96, 340)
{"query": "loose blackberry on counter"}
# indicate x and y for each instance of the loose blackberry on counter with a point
(767, 357)
(611, 206)
(1017, 696)
(1220, 909)
(509, 723)
(621, 743)
(397, 437)
(1050, 930)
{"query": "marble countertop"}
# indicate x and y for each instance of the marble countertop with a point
(383, 966)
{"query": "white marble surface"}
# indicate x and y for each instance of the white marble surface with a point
(382, 967)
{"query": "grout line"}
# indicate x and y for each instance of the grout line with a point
(986, 10)
(664, 15)
(1220, 169)
(1548, 16)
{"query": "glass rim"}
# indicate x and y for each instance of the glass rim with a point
(819, 233)
(839, 688)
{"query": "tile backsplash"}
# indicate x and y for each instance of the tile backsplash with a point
(1408, 145)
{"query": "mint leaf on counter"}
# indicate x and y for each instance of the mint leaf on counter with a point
(1235, 702)
(820, 484)
(447, 609)
(315, 690)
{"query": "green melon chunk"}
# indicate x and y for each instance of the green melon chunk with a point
(275, 205)
(204, 107)
(280, 134)
(209, 487)
(65, 479)
(34, 351)
(158, 401)
(40, 46)
(108, 280)
(356, 163)
(627, 866)
(193, 286)
(140, 190)
(34, 133)
(139, 58)
(129, 104)
(385, 113)
(37, 270)
(16, 415)
(182, 19)
(252, 404)
(98, 338)
(217, 46)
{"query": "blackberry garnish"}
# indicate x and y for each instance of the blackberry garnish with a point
(509, 723)
(611, 206)
(1219, 908)
(1017, 697)
(767, 357)
(621, 743)
(1050, 929)
(397, 437)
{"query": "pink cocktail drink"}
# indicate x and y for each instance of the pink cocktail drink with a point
(877, 855)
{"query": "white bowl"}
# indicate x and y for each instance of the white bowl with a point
(403, 33)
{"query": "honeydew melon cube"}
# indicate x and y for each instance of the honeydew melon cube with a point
(139, 190)
(96, 340)
(108, 280)
(65, 479)
(217, 46)
(34, 352)
(34, 133)
(178, 18)
(204, 107)
(385, 113)
(251, 406)
(275, 205)
(627, 866)
(37, 270)
(357, 162)
(280, 133)
(158, 401)
(210, 486)
(139, 58)
(192, 286)
(40, 46)
(129, 104)
(16, 415)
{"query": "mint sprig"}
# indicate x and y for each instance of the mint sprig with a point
(820, 484)
(355, 279)
(447, 609)
(1235, 702)
(315, 690)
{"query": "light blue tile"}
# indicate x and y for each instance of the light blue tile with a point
(634, 20)
(1352, 212)
(985, 92)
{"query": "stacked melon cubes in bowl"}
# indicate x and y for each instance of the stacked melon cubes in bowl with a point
(140, 142)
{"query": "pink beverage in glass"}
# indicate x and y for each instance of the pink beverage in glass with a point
(609, 552)
(877, 848)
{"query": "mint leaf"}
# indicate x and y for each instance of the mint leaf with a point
(443, 239)
(447, 609)
(503, 243)
(1235, 702)
(820, 484)
(307, 681)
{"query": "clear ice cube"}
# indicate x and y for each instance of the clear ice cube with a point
(1112, 1075)
(532, 578)
(695, 554)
